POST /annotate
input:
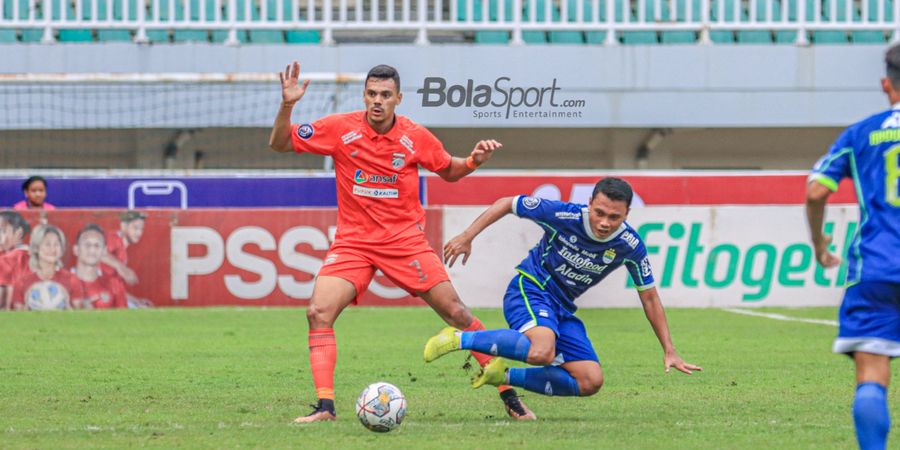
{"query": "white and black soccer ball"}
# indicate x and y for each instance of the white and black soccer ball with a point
(381, 407)
(46, 295)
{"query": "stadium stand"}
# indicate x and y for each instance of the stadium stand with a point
(633, 22)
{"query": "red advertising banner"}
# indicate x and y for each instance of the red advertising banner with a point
(680, 189)
(230, 257)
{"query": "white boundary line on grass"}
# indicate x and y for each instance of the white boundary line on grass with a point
(745, 312)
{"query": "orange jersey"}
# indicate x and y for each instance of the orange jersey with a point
(377, 175)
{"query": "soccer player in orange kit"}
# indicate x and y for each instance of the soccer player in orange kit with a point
(380, 219)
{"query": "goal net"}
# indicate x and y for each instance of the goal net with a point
(153, 120)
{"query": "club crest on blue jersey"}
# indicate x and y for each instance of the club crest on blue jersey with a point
(305, 131)
(531, 202)
(609, 255)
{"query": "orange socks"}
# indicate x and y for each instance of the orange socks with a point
(322, 359)
(482, 358)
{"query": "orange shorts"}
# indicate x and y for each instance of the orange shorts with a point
(414, 268)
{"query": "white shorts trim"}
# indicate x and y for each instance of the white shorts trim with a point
(528, 325)
(874, 345)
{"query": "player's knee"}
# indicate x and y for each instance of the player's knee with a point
(319, 317)
(458, 316)
(590, 384)
(541, 356)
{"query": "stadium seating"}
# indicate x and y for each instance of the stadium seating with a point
(176, 13)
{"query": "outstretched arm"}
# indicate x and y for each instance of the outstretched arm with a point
(462, 244)
(291, 92)
(655, 313)
(124, 271)
(816, 198)
(460, 167)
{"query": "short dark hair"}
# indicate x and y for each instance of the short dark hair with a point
(383, 72)
(90, 227)
(31, 180)
(17, 221)
(130, 215)
(892, 61)
(615, 189)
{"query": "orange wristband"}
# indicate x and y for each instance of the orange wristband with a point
(471, 164)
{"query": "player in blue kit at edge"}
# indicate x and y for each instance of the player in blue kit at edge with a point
(581, 246)
(869, 332)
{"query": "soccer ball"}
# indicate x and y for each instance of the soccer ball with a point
(46, 295)
(381, 407)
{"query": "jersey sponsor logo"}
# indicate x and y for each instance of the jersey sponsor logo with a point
(494, 349)
(580, 262)
(375, 193)
(305, 131)
(630, 239)
(361, 177)
(543, 313)
(645, 267)
(572, 276)
(351, 136)
(573, 239)
(531, 202)
(330, 258)
(566, 215)
(609, 255)
(406, 142)
(398, 161)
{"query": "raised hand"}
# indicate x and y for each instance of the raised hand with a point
(459, 245)
(291, 89)
(483, 150)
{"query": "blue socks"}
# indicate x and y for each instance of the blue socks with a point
(547, 380)
(509, 344)
(870, 414)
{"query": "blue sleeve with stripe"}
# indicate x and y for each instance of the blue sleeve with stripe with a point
(638, 265)
(835, 165)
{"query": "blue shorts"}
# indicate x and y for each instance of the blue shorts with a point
(870, 319)
(526, 306)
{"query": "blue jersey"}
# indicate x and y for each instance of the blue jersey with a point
(869, 153)
(569, 259)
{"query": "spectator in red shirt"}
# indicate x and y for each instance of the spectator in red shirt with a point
(35, 190)
(102, 290)
(47, 285)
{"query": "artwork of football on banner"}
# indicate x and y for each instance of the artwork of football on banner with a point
(222, 257)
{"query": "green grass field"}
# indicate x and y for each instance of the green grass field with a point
(224, 378)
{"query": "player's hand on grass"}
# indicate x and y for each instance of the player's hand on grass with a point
(673, 360)
(291, 89)
(825, 257)
(459, 245)
(483, 151)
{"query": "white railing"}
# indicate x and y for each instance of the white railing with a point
(424, 16)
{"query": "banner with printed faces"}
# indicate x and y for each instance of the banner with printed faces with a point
(700, 256)
(225, 257)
